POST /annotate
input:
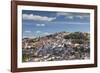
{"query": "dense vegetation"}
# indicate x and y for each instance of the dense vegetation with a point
(78, 37)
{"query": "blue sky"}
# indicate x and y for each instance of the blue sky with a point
(41, 23)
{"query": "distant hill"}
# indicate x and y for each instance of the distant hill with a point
(74, 37)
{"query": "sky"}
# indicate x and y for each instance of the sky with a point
(41, 23)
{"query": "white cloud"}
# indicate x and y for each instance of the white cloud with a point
(82, 16)
(38, 31)
(40, 25)
(79, 16)
(67, 15)
(27, 31)
(72, 15)
(37, 17)
(63, 13)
